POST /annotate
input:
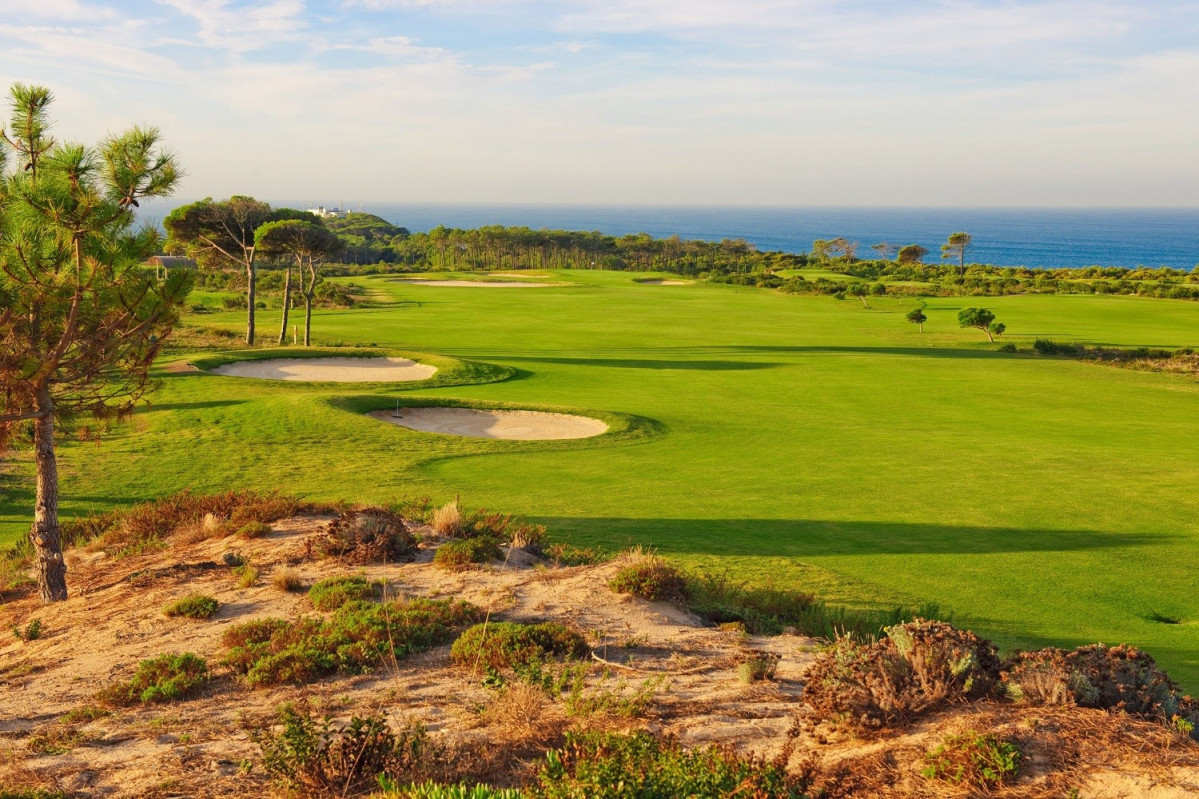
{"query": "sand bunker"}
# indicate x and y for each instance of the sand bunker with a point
(478, 284)
(332, 370)
(657, 282)
(515, 425)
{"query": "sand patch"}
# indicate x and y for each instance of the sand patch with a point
(478, 284)
(332, 370)
(514, 425)
(658, 282)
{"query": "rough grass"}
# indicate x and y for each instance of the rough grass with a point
(463, 553)
(795, 441)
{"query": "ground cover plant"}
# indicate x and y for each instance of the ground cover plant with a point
(166, 678)
(333, 592)
(358, 637)
(512, 645)
(799, 442)
(194, 606)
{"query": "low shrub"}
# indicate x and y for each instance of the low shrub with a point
(30, 632)
(166, 678)
(758, 667)
(146, 526)
(333, 592)
(357, 638)
(57, 739)
(649, 576)
(973, 759)
(246, 575)
(511, 645)
(917, 667)
(286, 580)
(597, 766)
(1113, 678)
(368, 535)
(254, 530)
(321, 760)
(465, 552)
(196, 606)
(569, 555)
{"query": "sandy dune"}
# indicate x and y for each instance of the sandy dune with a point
(478, 284)
(516, 425)
(334, 370)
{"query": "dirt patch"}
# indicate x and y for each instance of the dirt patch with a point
(331, 370)
(514, 425)
(479, 284)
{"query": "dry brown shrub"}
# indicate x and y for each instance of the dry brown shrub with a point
(286, 580)
(916, 668)
(368, 535)
(522, 714)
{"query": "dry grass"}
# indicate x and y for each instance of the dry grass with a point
(521, 714)
(287, 580)
(447, 520)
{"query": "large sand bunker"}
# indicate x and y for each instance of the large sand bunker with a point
(474, 423)
(661, 282)
(331, 370)
(478, 284)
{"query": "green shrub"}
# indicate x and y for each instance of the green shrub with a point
(511, 645)
(165, 678)
(320, 760)
(917, 667)
(650, 577)
(758, 667)
(973, 759)
(570, 555)
(31, 632)
(355, 639)
(333, 592)
(254, 530)
(596, 766)
(464, 552)
(196, 606)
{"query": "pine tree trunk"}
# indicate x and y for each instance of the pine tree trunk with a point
(286, 306)
(251, 276)
(307, 319)
(44, 534)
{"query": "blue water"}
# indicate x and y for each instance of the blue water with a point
(1035, 237)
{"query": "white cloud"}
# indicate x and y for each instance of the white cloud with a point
(225, 25)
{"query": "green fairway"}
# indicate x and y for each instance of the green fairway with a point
(798, 439)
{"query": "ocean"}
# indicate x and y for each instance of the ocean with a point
(1044, 238)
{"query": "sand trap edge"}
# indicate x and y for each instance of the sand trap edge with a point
(508, 424)
(329, 369)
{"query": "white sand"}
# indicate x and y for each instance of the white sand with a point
(478, 284)
(333, 370)
(516, 425)
(656, 282)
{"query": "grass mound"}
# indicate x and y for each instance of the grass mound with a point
(510, 645)
(357, 638)
(166, 678)
(196, 606)
(369, 535)
(333, 592)
(649, 576)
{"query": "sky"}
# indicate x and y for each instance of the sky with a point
(1013, 103)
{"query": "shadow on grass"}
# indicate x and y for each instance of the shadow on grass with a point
(806, 538)
(639, 363)
(918, 352)
(188, 406)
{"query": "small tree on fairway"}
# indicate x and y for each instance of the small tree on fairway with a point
(955, 248)
(997, 328)
(81, 320)
(980, 318)
(917, 317)
(309, 245)
(222, 233)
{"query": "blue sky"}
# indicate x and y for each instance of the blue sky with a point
(770, 102)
